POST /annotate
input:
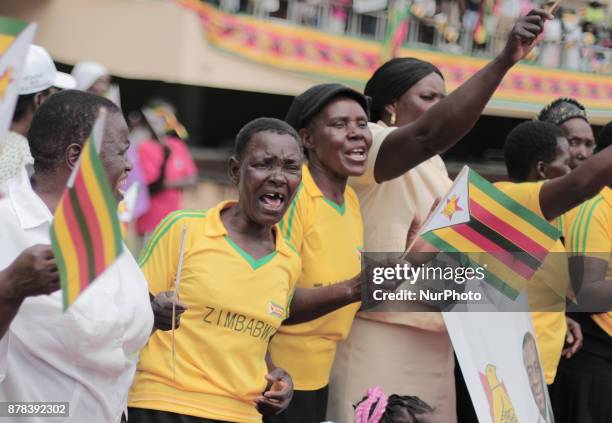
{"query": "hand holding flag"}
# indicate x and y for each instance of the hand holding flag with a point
(162, 305)
(524, 35)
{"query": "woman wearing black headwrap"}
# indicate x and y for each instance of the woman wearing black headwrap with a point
(413, 122)
(570, 116)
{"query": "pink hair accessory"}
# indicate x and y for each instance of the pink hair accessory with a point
(375, 396)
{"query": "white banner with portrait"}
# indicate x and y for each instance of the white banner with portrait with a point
(500, 363)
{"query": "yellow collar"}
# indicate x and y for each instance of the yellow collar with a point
(213, 227)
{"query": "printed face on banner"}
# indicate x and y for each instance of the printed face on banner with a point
(533, 370)
(500, 362)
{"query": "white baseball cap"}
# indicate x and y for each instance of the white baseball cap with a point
(87, 73)
(39, 73)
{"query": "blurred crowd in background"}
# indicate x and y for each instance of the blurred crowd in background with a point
(579, 38)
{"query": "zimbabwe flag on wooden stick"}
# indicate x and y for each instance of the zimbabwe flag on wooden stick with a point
(85, 235)
(475, 218)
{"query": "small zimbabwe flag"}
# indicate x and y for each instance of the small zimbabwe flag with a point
(15, 39)
(85, 234)
(475, 218)
(397, 30)
(276, 310)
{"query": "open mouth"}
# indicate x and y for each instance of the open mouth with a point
(122, 183)
(357, 154)
(273, 201)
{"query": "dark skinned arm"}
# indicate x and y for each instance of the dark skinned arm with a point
(588, 275)
(451, 119)
(161, 304)
(311, 303)
(32, 273)
(279, 390)
(566, 192)
(573, 338)
(8, 310)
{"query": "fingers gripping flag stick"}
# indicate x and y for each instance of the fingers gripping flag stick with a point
(85, 234)
(475, 218)
(176, 298)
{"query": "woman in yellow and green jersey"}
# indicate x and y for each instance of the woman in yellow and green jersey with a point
(582, 391)
(537, 159)
(238, 276)
(324, 224)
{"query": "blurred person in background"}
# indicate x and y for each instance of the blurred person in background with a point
(595, 13)
(38, 81)
(507, 12)
(136, 203)
(550, 52)
(166, 164)
(572, 40)
(96, 79)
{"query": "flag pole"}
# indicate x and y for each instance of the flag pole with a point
(554, 7)
(176, 298)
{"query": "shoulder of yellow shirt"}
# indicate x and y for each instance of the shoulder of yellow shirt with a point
(300, 201)
(286, 223)
(169, 223)
(579, 229)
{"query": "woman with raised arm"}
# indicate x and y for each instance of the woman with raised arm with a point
(413, 121)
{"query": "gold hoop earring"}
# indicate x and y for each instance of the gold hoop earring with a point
(393, 119)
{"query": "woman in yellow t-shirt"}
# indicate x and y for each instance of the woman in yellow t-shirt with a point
(539, 150)
(324, 224)
(238, 276)
(412, 122)
(589, 243)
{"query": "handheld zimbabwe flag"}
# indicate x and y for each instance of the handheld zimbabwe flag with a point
(475, 218)
(480, 33)
(85, 234)
(397, 30)
(15, 39)
(171, 122)
(163, 120)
